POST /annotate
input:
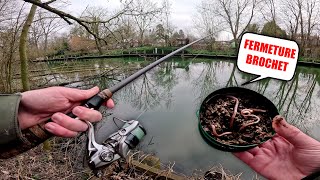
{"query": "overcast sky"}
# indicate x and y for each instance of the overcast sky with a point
(182, 11)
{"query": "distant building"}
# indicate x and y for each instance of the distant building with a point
(77, 43)
(159, 42)
(127, 43)
(312, 45)
(225, 44)
(180, 41)
(211, 44)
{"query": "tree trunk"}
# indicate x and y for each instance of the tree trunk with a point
(302, 47)
(45, 44)
(141, 43)
(98, 45)
(235, 40)
(24, 58)
(23, 49)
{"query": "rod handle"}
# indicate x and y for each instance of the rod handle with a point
(37, 134)
(93, 103)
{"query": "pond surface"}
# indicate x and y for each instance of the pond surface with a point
(169, 96)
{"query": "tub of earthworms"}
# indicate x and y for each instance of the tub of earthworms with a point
(236, 119)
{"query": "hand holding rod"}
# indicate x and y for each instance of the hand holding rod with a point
(37, 134)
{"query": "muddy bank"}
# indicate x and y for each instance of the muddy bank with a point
(65, 161)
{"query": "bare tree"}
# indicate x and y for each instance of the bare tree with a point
(149, 11)
(312, 13)
(35, 34)
(301, 16)
(49, 25)
(11, 22)
(4, 9)
(302, 43)
(126, 9)
(96, 15)
(292, 13)
(126, 32)
(207, 24)
(270, 10)
(44, 25)
(236, 14)
(168, 28)
(143, 12)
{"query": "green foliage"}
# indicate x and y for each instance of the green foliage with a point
(253, 28)
(62, 49)
(160, 32)
(175, 35)
(272, 29)
(227, 52)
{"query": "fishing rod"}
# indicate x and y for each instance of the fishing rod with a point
(96, 101)
(37, 134)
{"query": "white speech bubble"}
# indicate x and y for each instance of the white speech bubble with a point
(267, 57)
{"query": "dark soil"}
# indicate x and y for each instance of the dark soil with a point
(218, 113)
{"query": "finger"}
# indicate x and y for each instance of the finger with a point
(245, 156)
(69, 123)
(254, 151)
(87, 114)
(60, 131)
(109, 104)
(78, 94)
(282, 146)
(291, 133)
(268, 145)
(280, 139)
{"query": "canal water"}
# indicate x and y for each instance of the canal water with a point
(170, 95)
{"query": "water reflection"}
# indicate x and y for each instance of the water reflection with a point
(173, 91)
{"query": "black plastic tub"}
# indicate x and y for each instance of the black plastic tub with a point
(234, 91)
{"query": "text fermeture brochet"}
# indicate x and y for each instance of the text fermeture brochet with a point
(268, 49)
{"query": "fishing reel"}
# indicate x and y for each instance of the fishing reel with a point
(116, 146)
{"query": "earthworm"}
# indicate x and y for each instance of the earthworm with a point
(258, 110)
(234, 110)
(214, 132)
(245, 112)
(249, 124)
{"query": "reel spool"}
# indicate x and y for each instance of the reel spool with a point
(118, 138)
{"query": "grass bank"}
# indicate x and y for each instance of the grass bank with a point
(148, 50)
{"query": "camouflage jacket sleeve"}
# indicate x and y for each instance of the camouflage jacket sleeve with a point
(13, 141)
(9, 126)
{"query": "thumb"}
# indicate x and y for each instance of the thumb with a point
(79, 95)
(292, 134)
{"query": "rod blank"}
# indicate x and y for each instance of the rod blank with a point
(134, 76)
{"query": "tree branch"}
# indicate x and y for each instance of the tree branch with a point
(64, 16)
(49, 2)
